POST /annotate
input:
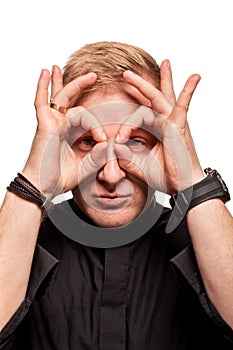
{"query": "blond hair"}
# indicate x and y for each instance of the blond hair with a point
(109, 59)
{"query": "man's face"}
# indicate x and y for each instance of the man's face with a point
(113, 197)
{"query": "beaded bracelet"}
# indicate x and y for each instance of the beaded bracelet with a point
(25, 189)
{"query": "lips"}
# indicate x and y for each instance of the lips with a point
(111, 201)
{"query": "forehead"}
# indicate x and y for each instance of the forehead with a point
(113, 112)
(112, 115)
(113, 109)
(111, 105)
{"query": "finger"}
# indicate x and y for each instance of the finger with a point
(166, 82)
(42, 88)
(159, 103)
(143, 116)
(179, 113)
(70, 93)
(136, 94)
(149, 170)
(57, 81)
(79, 116)
(127, 161)
(93, 161)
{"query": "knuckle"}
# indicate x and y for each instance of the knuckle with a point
(183, 107)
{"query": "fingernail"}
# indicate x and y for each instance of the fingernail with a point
(120, 139)
(129, 72)
(44, 71)
(103, 136)
(100, 135)
(91, 75)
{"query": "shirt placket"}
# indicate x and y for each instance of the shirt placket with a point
(113, 301)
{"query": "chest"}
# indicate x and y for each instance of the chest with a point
(121, 298)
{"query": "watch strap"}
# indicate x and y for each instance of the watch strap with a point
(212, 186)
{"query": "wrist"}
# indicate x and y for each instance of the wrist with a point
(34, 178)
(211, 187)
(197, 176)
(14, 202)
(24, 189)
(210, 203)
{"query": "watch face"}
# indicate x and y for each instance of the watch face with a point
(215, 175)
(224, 186)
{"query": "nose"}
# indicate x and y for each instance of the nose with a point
(111, 172)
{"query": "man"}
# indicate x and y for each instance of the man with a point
(122, 272)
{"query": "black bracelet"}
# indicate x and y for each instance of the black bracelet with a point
(211, 187)
(25, 189)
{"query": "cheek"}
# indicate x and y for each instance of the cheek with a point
(143, 193)
(144, 199)
(85, 189)
(78, 151)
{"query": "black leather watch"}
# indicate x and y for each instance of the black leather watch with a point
(211, 187)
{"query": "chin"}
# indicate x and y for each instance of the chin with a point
(114, 219)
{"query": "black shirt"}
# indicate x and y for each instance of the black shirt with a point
(145, 295)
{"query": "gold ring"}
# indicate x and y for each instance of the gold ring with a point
(58, 108)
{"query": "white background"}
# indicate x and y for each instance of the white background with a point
(195, 35)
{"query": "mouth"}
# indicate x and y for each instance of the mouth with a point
(112, 201)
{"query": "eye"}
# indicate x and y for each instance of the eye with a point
(87, 141)
(136, 144)
(84, 144)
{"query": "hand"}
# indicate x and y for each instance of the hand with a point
(173, 164)
(52, 165)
